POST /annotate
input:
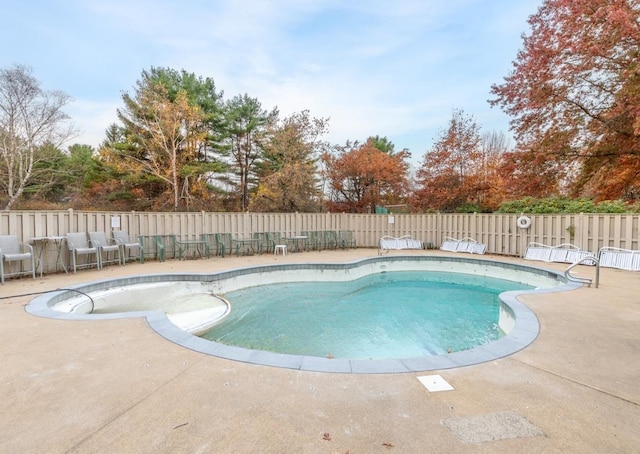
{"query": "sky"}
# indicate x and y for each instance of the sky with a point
(395, 69)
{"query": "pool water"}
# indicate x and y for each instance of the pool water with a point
(380, 316)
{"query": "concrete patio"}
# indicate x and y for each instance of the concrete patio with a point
(117, 386)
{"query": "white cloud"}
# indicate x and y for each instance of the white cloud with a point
(374, 67)
(91, 119)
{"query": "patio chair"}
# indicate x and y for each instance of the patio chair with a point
(330, 239)
(309, 243)
(224, 243)
(167, 246)
(274, 239)
(11, 250)
(264, 244)
(316, 240)
(122, 239)
(149, 245)
(347, 239)
(78, 244)
(210, 239)
(105, 247)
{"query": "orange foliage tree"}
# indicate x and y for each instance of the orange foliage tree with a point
(359, 177)
(450, 175)
(574, 95)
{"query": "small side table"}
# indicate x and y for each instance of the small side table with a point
(42, 241)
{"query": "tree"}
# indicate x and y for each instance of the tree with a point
(383, 144)
(288, 181)
(30, 119)
(574, 94)
(247, 125)
(47, 186)
(202, 93)
(494, 146)
(529, 173)
(166, 144)
(449, 175)
(359, 177)
(165, 139)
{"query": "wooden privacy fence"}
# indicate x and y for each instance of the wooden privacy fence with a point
(499, 232)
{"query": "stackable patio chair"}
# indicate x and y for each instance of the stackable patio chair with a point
(12, 250)
(78, 245)
(224, 244)
(105, 247)
(127, 246)
(264, 244)
(210, 239)
(346, 239)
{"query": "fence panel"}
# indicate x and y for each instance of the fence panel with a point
(499, 231)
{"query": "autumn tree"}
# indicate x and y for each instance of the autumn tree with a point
(166, 142)
(247, 123)
(200, 92)
(494, 146)
(448, 177)
(529, 174)
(574, 95)
(359, 177)
(288, 181)
(31, 120)
(164, 145)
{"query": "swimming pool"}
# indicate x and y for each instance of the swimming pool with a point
(400, 314)
(517, 321)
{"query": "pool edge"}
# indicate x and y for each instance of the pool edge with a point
(524, 333)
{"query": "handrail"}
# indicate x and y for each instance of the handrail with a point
(585, 280)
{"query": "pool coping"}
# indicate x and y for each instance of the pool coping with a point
(524, 332)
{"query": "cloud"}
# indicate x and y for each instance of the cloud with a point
(91, 119)
(375, 67)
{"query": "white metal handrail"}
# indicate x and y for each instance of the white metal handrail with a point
(584, 280)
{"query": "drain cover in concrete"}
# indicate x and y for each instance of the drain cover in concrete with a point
(435, 383)
(491, 427)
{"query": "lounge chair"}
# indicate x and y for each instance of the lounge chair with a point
(449, 245)
(388, 243)
(538, 251)
(623, 259)
(563, 253)
(12, 250)
(464, 245)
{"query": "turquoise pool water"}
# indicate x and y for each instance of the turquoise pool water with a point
(380, 316)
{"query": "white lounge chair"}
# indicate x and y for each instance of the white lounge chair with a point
(464, 245)
(538, 251)
(563, 253)
(449, 244)
(388, 243)
(624, 259)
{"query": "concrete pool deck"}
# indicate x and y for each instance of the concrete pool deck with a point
(117, 386)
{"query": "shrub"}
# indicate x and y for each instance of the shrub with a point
(565, 205)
